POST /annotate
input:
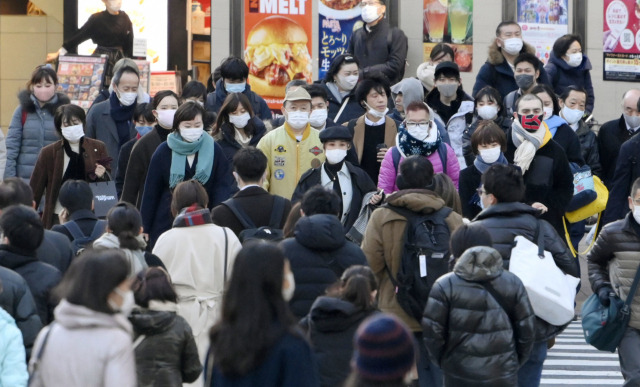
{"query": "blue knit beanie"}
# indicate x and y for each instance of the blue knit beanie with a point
(384, 349)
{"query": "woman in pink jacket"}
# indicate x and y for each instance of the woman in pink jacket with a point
(418, 136)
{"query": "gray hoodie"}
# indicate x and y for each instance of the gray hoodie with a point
(411, 90)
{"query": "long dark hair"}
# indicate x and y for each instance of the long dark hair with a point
(254, 314)
(229, 106)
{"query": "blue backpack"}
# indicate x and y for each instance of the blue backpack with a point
(80, 241)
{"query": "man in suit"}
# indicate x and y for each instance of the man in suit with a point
(249, 166)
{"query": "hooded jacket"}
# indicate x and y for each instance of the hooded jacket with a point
(24, 141)
(167, 355)
(318, 254)
(85, 348)
(332, 324)
(466, 330)
(411, 90)
(505, 221)
(383, 243)
(497, 73)
(352, 109)
(13, 368)
(562, 75)
(135, 258)
(215, 100)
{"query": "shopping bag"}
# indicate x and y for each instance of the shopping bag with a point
(104, 197)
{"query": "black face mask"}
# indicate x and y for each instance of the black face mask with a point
(524, 81)
(531, 122)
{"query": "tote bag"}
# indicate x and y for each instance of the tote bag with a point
(104, 197)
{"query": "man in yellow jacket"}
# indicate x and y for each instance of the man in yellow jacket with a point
(293, 148)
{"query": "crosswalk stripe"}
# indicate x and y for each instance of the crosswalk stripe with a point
(582, 382)
(570, 346)
(590, 363)
(581, 373)
(576, 354)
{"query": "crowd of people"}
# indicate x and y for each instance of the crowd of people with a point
(362, 237)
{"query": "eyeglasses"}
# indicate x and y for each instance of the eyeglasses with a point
(410, 124)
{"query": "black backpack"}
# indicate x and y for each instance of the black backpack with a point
(425, 257)
(80, 241)
(272, 232)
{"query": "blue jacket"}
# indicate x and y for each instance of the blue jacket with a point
(24, 141)
(156, 199)
(497, 73)
(216, 99)
(562, 75)
(13, 366)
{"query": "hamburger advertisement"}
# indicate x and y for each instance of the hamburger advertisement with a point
(277, 46)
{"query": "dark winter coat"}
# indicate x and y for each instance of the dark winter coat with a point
(497, 73)
(376, 51)
(318, 254)
(40, 277)
(55, 250)
(611, 136)
(627, 171)
(548, 180)
(470, 181)
(589, 148)
(562, 75)
(505, 221)
(168, 355)
(352, 111)
(85, 219)
(361, 185)
(570, 143)
(216, 99)
(226, 137)
(24, 141)
(156, 200)
(123, 162)
(466, 330)
(332, 324)
(502, 121)
(16, 299)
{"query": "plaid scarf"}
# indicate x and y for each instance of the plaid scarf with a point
(193, 215)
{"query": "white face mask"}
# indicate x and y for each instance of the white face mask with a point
(636, 213)
(235, 87)
(73, 133)
(348, 82)
(575, 59)
(548, 112)
(376, 113)
(318, 117)
(419, 132)
(127, 99)
(128, 302)
(239, 120)
(191, 134)
(370, 13)
(334, 156)
(287, 293)
(571, 115)
(165, 118)
(114, 5)
(490, 155)
(297, 120)
(632, 121)
(512, 46)
(488, 112)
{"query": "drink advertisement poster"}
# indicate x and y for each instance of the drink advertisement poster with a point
(278, 45)
(81, 78)
(338, 20)
(621, 40)
(450, 22)
(542, 22)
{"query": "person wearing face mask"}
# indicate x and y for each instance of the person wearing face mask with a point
(441, 52)
(143, 96)
(418, 136)
(292, 148)
(319, 117)
(112, 121)
(91, 329)
(340, 84)
(245, 350)
(73, 157)
(568, 66)
(110, 29)
(237, 126)
(194, 91)
(614, 133)
(488, 143)
(319, 252)
(199, 256)
(374, 132)
(349, 182)
(545, 168)
(452, 105)
(234, 72)
(31, 127)
(188, 154)
(526, 72)
(163, 109)
(572, 109)
(488, 105)
(378, 46)
(497, 71)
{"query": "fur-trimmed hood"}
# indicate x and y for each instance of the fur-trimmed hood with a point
(495, 53)
(28, 104)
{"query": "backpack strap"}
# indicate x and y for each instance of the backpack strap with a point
(98, 229)
(442, 152)
(396, 156)
(74, 229)
(242, 216)
(277, 212)
(496, 296)
(23, 118)
(342, 107)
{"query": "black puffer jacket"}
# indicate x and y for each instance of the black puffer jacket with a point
(468, 334)
(589, 148)
(505, 221)
(168, 355)
(318, 254)
(331, 324)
